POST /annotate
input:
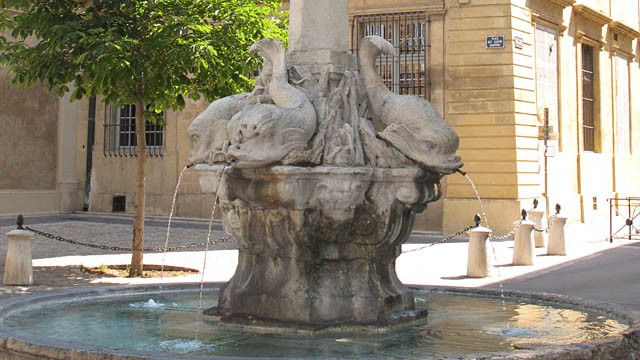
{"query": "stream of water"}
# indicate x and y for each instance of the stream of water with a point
(173, 207)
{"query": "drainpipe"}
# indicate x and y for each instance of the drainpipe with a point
(546, 161)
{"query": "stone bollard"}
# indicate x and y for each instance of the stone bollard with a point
(17, 268)
(524, 245)
(479, 262)
(557, 245)
(539, 235)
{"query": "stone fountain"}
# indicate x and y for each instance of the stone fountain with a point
(319, 173)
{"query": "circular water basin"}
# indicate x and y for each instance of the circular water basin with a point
(166, 323)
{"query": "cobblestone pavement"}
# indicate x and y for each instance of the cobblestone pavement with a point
(112, 231)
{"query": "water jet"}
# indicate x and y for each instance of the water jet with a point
(319, 198)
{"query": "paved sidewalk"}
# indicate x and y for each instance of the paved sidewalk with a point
(425, 261)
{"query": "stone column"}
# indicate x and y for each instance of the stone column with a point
(18, 269)
(557, 244)
(524, 245)
(479, 262)
(319, 32)
(539, 235)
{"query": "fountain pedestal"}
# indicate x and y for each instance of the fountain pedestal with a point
(317, 245)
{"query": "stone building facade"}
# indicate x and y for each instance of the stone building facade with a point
(497, 70)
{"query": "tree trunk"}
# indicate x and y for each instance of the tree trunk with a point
(141, 187)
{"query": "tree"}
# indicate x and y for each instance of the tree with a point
(151, 53)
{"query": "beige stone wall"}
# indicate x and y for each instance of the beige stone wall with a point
(115, 175)
(497, 118)
(29, 148)
(488, 101)
(489, 96)
(38, 141)
(28, 138)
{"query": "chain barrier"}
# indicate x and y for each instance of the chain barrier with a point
(124, 249)
(509, 234)
(462, 231)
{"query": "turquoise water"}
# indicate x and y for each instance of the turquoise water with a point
(459, 326)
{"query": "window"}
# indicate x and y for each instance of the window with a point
(622, 121)
(588, 98)
(120, 133)
(405, 74)
(547, 72)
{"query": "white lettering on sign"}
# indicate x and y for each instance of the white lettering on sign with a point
(495, 42)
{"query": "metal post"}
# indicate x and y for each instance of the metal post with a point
(611, 220)
(629, 208)
(546, 159)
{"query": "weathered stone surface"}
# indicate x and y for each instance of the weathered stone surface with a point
(208, 131)
(319, 25)
(412, 125)
(319, 236)
(478, 260)
(18, 269)
(278, 131)
(317, 245)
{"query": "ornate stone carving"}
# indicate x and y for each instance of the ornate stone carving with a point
(208, 132)
(317, 245)
(413, 125)
(262, 134)
(323, 174)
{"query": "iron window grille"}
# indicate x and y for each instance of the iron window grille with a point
(406, 73)
(120, 133)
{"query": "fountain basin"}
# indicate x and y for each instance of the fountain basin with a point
(161, 322)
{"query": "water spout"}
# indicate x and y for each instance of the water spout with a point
(206, 249)
(173, 206)
(473, 186)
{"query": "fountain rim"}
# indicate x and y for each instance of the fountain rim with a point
(23, 343)
(295, 170)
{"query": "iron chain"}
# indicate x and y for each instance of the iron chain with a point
(117, 248)
(445, 239)
(509, 234)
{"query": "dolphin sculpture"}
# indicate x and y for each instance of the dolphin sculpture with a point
(412, 125)
(278, 129)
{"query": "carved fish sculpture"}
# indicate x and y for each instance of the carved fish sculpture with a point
(263, 134)
(413, 125)
(208, 131)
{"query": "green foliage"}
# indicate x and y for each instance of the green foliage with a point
(156, 51)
